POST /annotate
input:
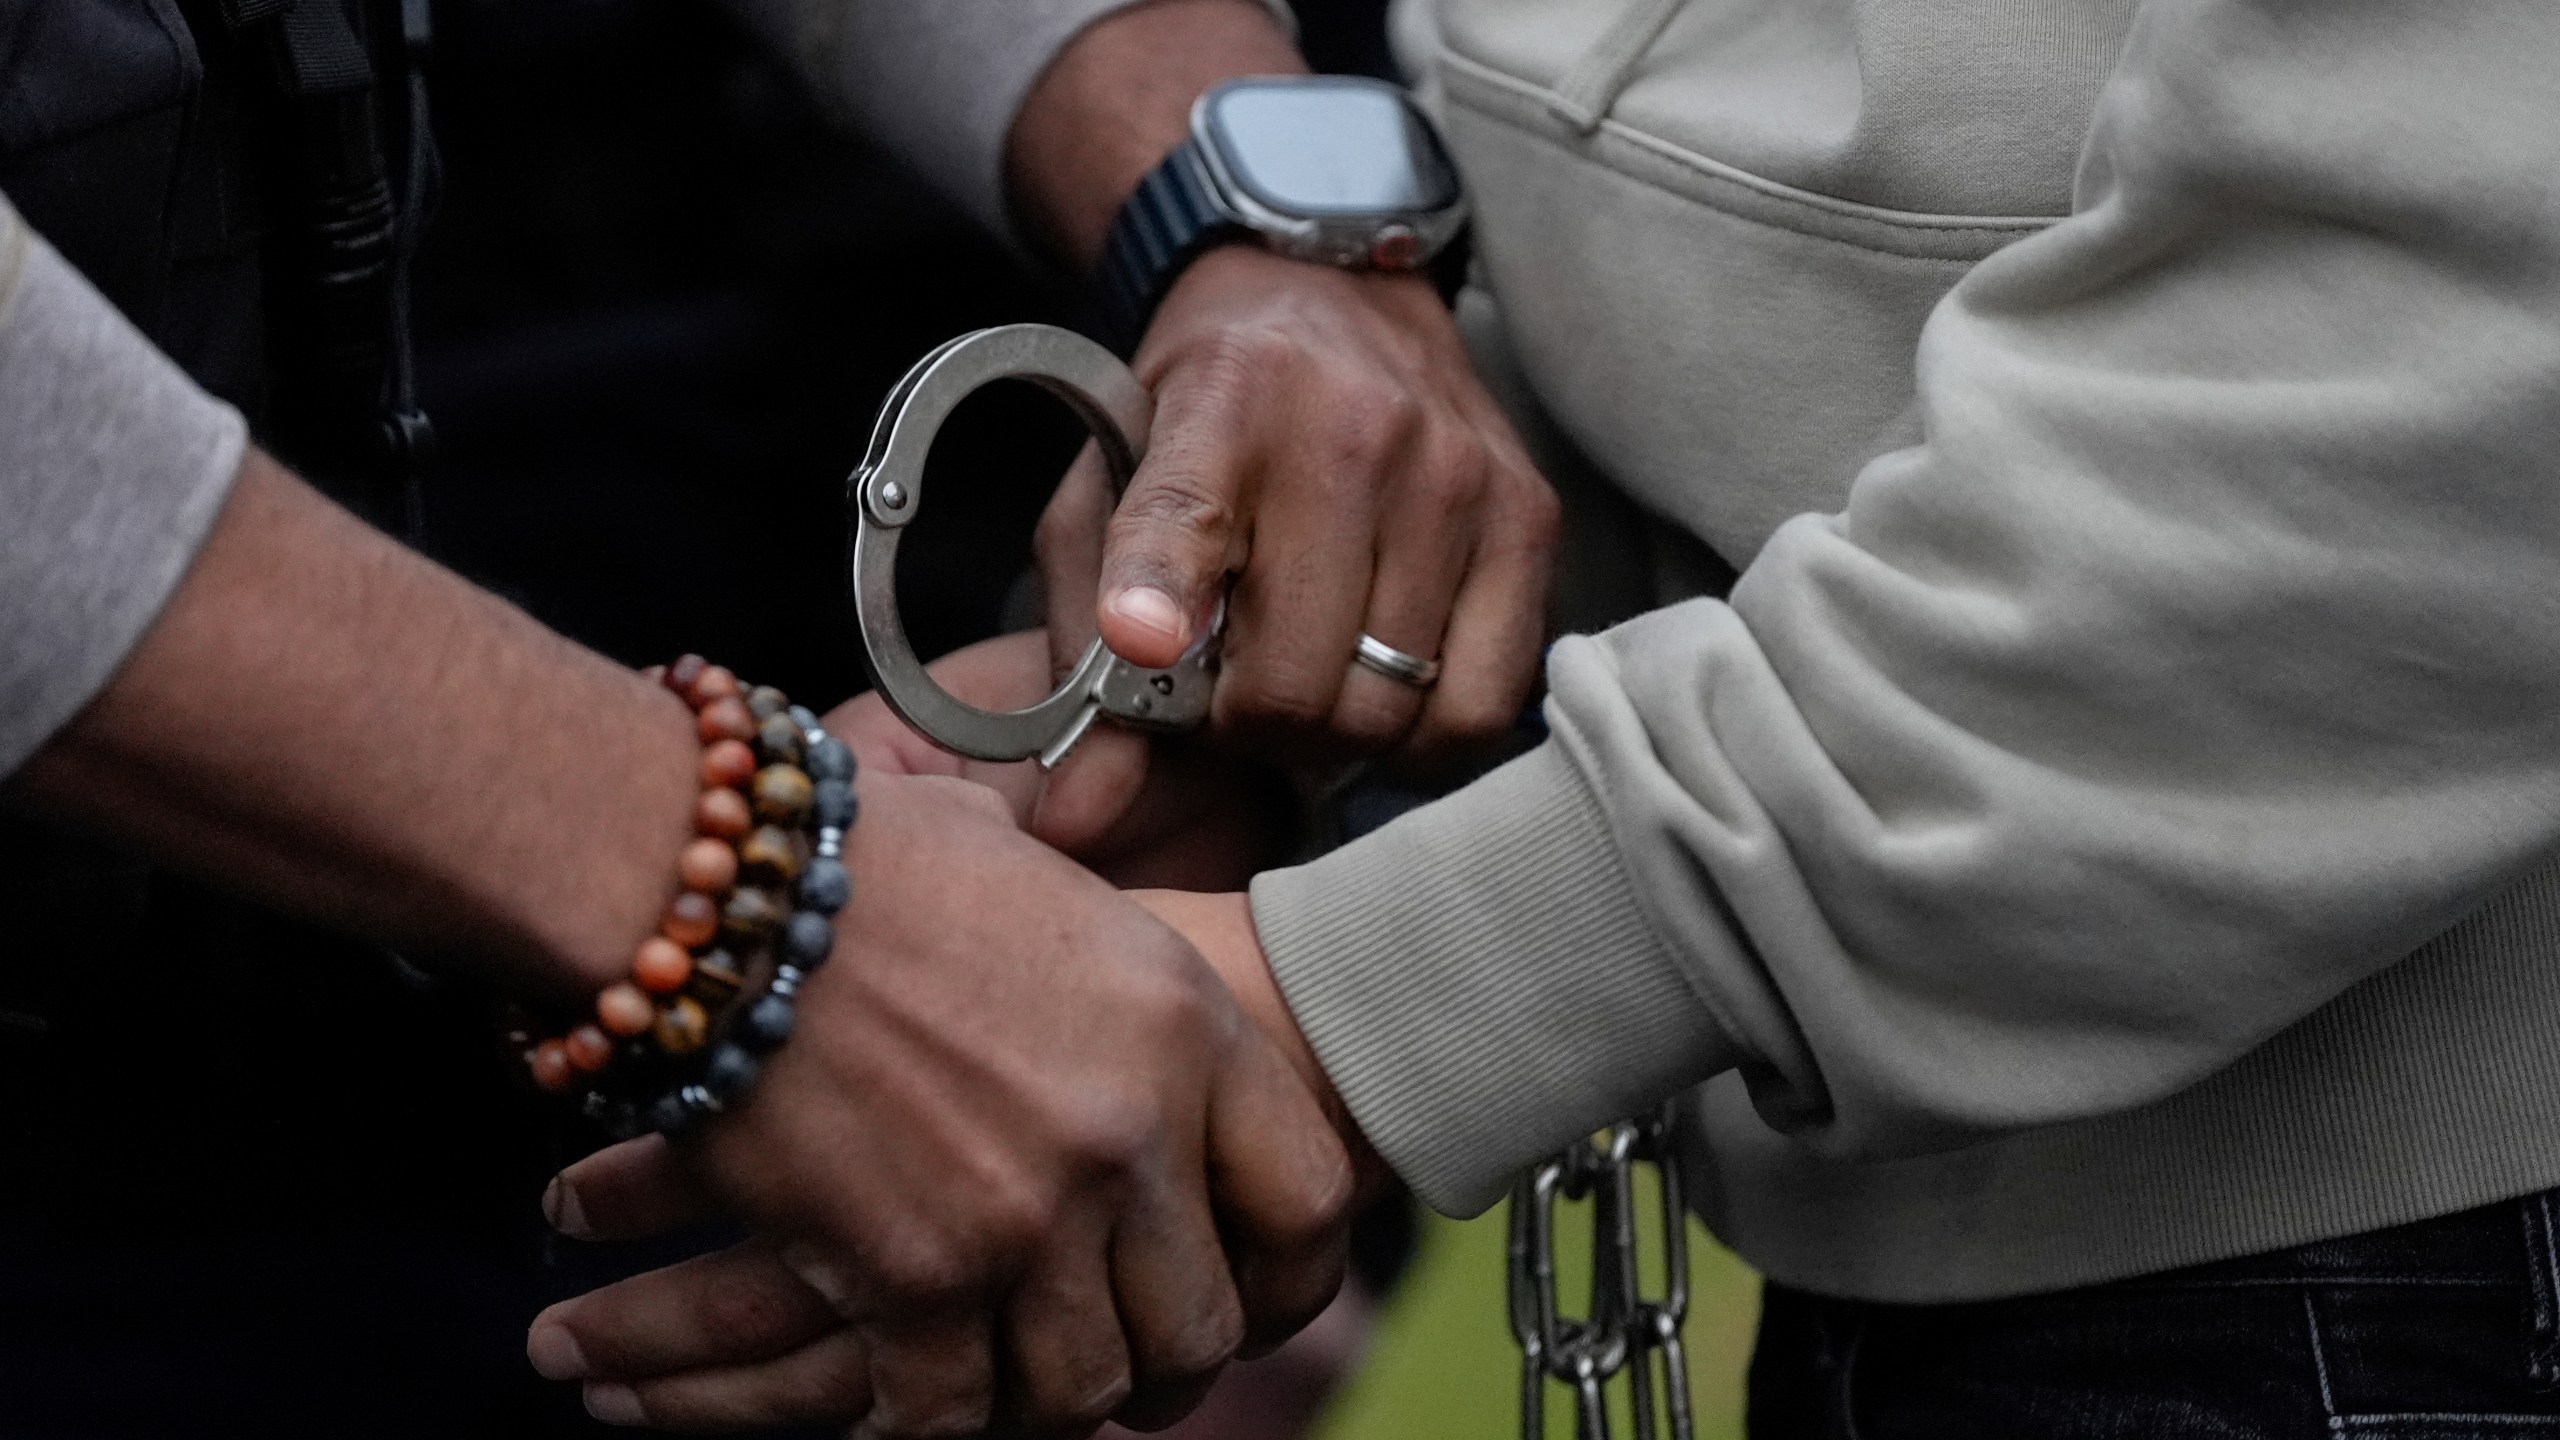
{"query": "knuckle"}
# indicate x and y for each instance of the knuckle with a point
(1105, 1129)
(1015, 1217)
(926, 1268)
(1202, 1348)
(1534, 515)
(1369, 423)
(1174, 1007)
(1455, 475)
(995, 1218)
(1317, 1210)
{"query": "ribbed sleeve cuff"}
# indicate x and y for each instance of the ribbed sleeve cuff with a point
(1481, 984)
(113, 465)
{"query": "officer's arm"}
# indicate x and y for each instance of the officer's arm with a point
(322, 717)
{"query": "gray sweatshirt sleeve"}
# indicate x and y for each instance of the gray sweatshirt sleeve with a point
(935, 82)
(2202, 660)
(112, 467)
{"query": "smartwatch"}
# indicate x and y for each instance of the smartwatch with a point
(1333, 169)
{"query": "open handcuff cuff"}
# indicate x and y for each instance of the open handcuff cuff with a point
(887, 490)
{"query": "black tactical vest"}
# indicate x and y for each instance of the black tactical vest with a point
(242, 178)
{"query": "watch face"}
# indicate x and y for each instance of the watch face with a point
(1329, 146)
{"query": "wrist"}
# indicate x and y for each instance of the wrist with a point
(1220, 927)
(1230, 278)
(585, 917)
(1342, 171)
(685, 1032)
(1116, 101)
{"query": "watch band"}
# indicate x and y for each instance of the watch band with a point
(1167, 222)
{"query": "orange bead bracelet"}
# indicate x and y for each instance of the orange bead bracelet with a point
(747, 924)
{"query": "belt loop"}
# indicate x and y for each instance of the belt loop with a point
(2542, 1292)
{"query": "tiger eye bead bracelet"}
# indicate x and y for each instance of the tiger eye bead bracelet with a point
(714, 990)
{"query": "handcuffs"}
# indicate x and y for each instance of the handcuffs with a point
(884, 494)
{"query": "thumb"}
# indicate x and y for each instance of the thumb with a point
(1179, 529)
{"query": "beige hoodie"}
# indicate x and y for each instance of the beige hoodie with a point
(2138, 425)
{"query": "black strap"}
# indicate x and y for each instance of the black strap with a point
(1169, 221)
(1171, 218)
(347, 397)
(241, 14)
(322, 55)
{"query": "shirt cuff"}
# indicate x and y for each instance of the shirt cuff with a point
(113, 465)
(938, 84)
(1481, 984)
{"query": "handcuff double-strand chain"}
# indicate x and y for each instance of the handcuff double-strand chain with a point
(1624, 1334)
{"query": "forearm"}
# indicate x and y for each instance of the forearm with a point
(1220, 926)
(1116, 101)
(327, 721)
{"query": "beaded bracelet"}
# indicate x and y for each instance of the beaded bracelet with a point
(714, 991)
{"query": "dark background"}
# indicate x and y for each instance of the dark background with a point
(658, 307)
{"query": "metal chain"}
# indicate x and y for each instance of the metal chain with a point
(1624, 1332)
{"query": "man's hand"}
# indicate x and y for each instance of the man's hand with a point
(1018, 1145)
(737, 1339)
(1320, 436)
(734, 1341)
(1161, 811)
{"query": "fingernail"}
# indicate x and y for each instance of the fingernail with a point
(803, 1261)
(554, 1351)
(560, 1207)
(1152, 608)
(616, 1405)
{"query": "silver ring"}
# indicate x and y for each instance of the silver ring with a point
(1396, 665)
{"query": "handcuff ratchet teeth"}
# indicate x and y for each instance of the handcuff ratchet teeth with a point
(886, 491)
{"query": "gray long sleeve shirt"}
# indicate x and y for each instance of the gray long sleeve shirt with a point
(112, 467)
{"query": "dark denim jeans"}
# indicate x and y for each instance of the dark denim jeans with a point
(2444, 1330)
